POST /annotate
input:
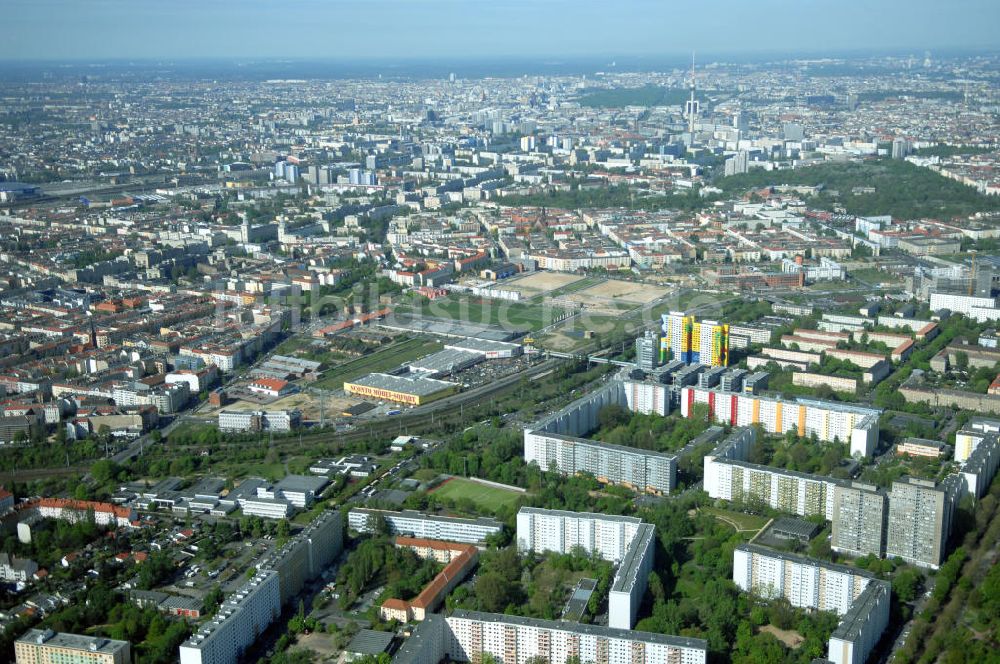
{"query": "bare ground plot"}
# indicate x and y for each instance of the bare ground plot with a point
(571, 336)
(789, 637)
(320, 644)
(614, 290)
(538, 283)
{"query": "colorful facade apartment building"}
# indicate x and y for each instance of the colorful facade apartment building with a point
(830, 421)
(693, 341)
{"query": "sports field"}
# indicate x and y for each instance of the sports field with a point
(484, 496)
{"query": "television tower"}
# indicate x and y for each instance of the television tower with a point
(692, 108)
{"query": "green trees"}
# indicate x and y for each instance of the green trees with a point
(105, 470)
(652, 431)
(376, 559)
(155, 570)
(902, 189)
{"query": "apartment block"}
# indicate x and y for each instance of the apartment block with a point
(426, 526)
(517, 640)
(980, 467)
(243, 616)
(281, 575)
(48, 647)
(919, 522)
(552, 442)
(693, 341)
(861, 627)
(861, 600)
(859, 519)
(967, 438)
(625, 541)
(647, 396)
(830, 421)
(729, 477)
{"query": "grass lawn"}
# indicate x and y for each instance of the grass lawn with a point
(872, 276)
(189, 429)
(383, 359)
(739, 520)
(425, 474)
(485, 497)
(522, 316)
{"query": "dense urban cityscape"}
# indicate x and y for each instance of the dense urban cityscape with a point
(544, 363)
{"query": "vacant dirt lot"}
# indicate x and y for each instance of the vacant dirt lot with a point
(789, 637)
(619, 291)
(537, 283)
(320, 644)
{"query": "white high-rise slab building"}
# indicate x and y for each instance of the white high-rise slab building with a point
(860, 599)
(623, 540)
(466, 636)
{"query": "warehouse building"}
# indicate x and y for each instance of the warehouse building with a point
(411, 390)
(444, 363)
(491, 350)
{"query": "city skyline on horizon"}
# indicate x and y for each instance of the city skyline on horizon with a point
(57, 30)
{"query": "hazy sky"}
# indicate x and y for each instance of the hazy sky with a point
(484, 29)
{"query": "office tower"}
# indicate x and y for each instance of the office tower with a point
(47, 647)
(859, 520)
(900, 148)
(741, 121)
(792, 131)
(647, 348)
(738, 163)
(919, 522)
